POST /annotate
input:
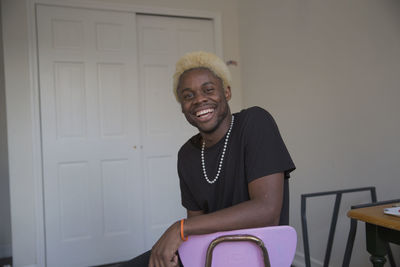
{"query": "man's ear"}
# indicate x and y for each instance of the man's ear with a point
(228, 93)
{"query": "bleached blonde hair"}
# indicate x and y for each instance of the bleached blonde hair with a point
(201, 59)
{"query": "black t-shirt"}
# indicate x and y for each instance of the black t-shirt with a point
(255, 149)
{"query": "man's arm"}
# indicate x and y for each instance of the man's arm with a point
(263, 209)
(193, 213)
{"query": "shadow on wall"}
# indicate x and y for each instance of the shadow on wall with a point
(5, 217)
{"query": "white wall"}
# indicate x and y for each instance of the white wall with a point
(327, 70)
(5, 222)
(230, 32)
(26, 205)
(19, 126)
(329, 73)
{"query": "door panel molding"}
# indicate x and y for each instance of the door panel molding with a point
(34, 84)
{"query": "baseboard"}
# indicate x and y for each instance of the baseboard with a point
(300, 262)
(5, 251)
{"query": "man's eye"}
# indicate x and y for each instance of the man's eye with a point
(188, 96)
(209, 90)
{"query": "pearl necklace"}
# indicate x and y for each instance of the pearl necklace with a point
(203, 163)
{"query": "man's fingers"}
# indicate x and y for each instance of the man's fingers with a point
(151, 261)
(164, 252)
(164, 259)
(156, 262)
(175, 260)
(157, 258)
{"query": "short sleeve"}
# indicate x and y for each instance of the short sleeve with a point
(187, 198)
(265, 151)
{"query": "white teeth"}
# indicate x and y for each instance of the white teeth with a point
(202, 112)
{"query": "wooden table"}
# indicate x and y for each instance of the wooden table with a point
(380, 229)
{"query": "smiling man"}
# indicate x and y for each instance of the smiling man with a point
(234, 172)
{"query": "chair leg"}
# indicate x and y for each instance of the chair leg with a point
(350, 243)
(390, 255)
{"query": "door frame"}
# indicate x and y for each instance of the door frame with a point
(34, 84)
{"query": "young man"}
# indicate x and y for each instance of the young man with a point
(233, 174)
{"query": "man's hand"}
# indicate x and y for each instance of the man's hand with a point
(164, 252)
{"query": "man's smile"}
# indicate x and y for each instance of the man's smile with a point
(204, 114)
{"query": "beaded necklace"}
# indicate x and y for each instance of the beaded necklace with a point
(203, 163)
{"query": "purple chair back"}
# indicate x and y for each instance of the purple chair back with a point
(279, 242)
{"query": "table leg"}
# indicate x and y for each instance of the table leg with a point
(375, 245)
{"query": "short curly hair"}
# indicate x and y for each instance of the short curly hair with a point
(201, 59)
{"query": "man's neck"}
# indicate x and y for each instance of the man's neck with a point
(214, 137)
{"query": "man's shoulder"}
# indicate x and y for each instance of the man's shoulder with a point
(254, 113)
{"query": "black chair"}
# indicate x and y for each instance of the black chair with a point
(353, 226)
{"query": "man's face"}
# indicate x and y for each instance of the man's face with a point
(203, 99)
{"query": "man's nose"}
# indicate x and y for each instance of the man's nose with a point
(200, 97)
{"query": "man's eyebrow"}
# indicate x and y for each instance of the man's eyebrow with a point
(185, 89)
(207, 83)
(188, 88)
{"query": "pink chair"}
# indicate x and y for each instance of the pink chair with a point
(268, 246)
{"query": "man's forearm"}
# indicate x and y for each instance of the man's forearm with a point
(263, 209)
(249, 214)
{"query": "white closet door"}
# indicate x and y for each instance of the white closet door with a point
(162, 40)
(90, 131)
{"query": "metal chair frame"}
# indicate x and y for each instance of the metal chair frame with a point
(353, 225)
(237, 238)
(261, 246)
